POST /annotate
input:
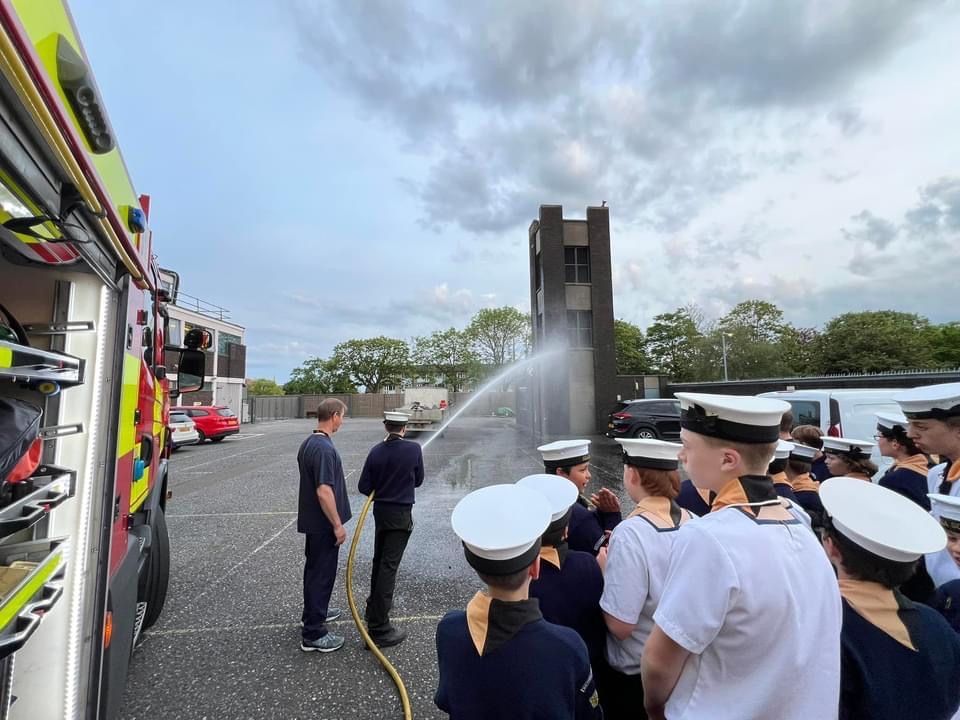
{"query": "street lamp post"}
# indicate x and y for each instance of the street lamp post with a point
(723, 339)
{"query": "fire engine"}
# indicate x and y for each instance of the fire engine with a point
(86, 381)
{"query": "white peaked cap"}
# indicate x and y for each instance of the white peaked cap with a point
(501, 522)
(559, 492)
(803, 452)
(848, 446)
(739, 418)
(565, 450)
(783, 450)
(655, 454)
(890, 420)
(930, 401)
(881, 521)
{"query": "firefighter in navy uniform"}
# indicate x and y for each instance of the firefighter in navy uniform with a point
(393, 470)
(898, 658)
(500, 658)
(592, 520)
(570, 582)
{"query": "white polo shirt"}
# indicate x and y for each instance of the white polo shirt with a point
(757, 605)
(637, 563)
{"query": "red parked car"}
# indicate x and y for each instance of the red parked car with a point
(214, 422)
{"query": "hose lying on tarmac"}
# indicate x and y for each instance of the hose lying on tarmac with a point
(391, 670)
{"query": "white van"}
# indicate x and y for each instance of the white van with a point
(842, 413)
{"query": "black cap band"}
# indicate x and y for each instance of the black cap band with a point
(933, 413)
(854, 453)
(695, 419)
(950, 524)
(650, 463)
(502, 567)
(552, 465)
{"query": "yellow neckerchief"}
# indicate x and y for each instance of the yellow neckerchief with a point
(657, 510)
(781, 479)
(550, 555)
(878, 606)
(805, 483)
(917, 463)
(750, 492)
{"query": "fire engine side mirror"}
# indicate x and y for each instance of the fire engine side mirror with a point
(190, 371)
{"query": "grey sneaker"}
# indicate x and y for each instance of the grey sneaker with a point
(332, 614)
(328, 643)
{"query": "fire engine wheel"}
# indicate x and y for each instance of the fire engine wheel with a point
(158, 570)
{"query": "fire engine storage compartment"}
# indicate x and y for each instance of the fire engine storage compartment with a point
(47, 520)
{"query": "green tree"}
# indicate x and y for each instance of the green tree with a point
(875, 342)
(264, 386)
(372, 363)
(318, 377)
(496, 334)
(628, 340)
(757, 320)
(449, 354)
(945, 340)
(798, 348)
(672, 345)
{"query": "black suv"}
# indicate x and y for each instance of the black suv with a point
(652, 419)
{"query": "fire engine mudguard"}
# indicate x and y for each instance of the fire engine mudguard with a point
(122, 603)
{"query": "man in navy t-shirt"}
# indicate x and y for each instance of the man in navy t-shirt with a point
(323, 510)
(392, 471)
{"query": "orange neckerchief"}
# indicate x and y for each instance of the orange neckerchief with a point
(657, 510)
(805, 483)
(781, 479)
(952, 473)
(755, 490)
(550, 555)
(917, 463)
(878, 606)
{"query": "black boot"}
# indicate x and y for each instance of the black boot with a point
(385, 636)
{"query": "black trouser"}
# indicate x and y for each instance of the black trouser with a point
(319, 574)
(621, 696)
(394, 523)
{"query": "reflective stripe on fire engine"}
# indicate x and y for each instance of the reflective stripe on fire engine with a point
(6, 357)
(12, 606)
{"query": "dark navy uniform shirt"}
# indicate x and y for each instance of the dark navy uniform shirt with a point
(947, 601)
(570, 596)
(690, 500)
(785, 490)
(529, 669)
(320, 464)
(587, 527)
(393, 469)
(908, 483)
(882, 679)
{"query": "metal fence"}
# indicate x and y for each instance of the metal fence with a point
(285, 407)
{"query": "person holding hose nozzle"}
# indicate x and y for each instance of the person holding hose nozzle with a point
(392, 471)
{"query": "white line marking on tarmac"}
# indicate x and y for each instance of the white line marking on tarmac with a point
(231, 514)
(260, 547)
(278, 626)
(215, 460)
(246, 436)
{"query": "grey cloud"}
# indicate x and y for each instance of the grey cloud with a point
(666, 105)
(870, 229)
(938, 210)
(849, 120)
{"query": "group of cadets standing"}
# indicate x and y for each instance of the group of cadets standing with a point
(767, 589)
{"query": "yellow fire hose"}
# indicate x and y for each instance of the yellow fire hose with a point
(391, 670)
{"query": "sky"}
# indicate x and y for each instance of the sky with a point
(336, 170)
